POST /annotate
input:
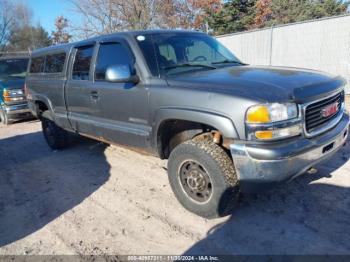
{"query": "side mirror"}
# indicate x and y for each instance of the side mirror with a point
(121, 74)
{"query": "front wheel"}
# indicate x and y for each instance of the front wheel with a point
(56, 137)
(4, 117)
(203, 178)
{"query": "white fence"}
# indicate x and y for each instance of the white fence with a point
(322, 44)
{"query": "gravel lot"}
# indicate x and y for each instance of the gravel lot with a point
(98, 199)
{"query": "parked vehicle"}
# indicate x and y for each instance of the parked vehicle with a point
(224, 126)
(13, 104)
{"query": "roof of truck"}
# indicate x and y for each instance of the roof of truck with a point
(65, 47)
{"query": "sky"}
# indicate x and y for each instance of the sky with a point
(45, 12)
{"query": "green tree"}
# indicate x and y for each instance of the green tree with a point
(236, 15)
(289, 11)
(240, 15)
(327, 8)
(28, 37)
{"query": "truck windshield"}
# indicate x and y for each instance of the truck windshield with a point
(181, 52)
(13, 67)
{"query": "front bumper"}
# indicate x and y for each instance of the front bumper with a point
(17, 111)
(260, 167)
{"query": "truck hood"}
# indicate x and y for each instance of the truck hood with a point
(12, 83)
(267, 84)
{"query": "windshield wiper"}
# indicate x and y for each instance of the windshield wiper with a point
(227, 61)
(189, 65)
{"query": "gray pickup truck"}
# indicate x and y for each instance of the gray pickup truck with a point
(225, 127)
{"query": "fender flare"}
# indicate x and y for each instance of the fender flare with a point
(46, 101)
(221, 123)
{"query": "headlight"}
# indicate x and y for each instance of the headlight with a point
(13, 92)
(264, 121)
(13, 95)
(269, 113)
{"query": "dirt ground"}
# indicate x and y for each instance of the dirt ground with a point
(98, 199)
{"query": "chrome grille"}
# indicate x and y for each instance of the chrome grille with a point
(314, 119)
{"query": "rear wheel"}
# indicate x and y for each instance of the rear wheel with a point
(203, 178)
(56, 137)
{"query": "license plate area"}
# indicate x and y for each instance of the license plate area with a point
(328, 148)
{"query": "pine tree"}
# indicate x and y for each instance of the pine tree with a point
(28, 37)
(236, 15)
(240, 15)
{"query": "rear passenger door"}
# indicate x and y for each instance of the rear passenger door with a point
(82, 102)
(54, 79)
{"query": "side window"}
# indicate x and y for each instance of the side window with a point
(81, 66)
(54, 63)
(111, 54)
(37, 64)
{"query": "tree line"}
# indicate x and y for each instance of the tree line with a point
(17, 31)
(235, 16)
(212, 16)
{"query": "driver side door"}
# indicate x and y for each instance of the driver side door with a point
(123, 114)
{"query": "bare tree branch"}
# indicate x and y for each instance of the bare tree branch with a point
(108, 16)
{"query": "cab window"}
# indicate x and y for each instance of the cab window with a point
(37, 64)
(111, 54)
(54, 63)
(82, 62)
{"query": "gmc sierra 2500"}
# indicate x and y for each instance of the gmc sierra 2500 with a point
(224, 126)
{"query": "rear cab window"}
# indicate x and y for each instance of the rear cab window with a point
(48, 64)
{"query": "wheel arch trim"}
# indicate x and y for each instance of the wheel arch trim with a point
(45, 100)
(221, 123)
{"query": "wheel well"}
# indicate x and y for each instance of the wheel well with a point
(173, 132)
(41, 107)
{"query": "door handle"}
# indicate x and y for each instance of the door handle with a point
(94, 95)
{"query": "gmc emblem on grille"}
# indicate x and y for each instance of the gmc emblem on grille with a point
(330, 110)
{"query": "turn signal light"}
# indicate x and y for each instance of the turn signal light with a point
(263, 135)
(6, 93)
(278, 133)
